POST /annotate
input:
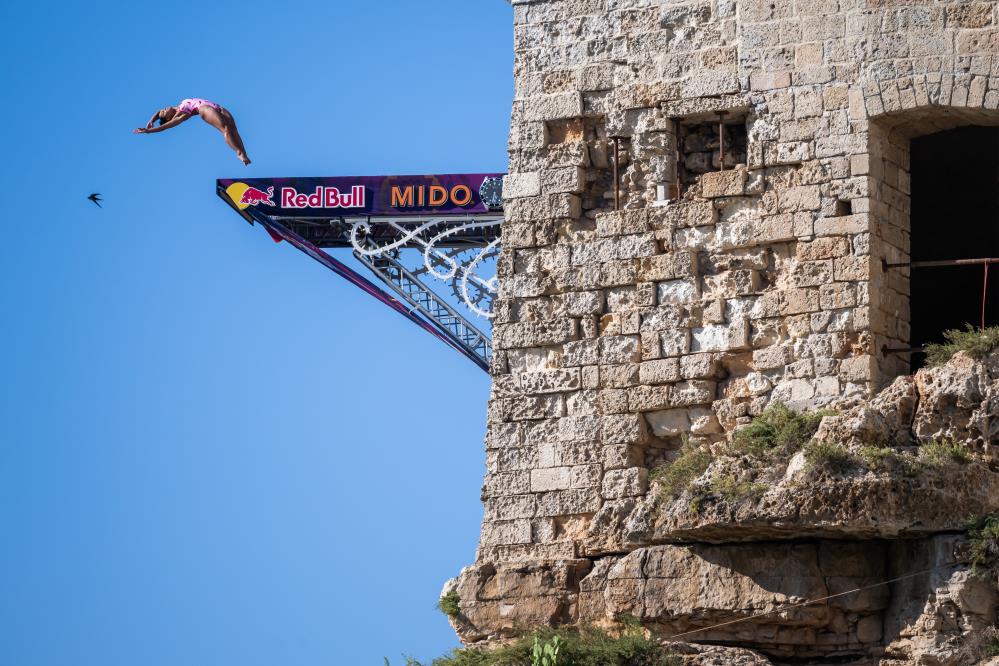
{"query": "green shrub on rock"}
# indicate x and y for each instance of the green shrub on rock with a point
(778, 432)
(879, 458)
(941, 453)
(676, 476)
(576, 647)
(976, 342)
(983, 537)
(733, 489)
(448, 604)
(827, 455)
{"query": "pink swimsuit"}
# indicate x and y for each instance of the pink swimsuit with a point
(191, 106)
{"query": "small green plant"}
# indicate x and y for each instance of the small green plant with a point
(697, 500)
(941, 453)
(577, 647)
(545, 654)
(629, 623)
(976, 342)
(878, 458)
(675, 477)
(778, 432)
(732, 489)
(983, 539)
(885, 459)
(828, 456)
(449, 604)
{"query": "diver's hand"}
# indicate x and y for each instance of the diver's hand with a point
(140, 130)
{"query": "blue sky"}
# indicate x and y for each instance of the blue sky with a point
(213, 451)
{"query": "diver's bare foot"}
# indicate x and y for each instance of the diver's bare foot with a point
(245, 160)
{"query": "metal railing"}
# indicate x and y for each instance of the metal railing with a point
(985, 262)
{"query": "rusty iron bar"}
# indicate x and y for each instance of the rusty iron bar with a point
(617, 174)
(940, 263)
(985, 291)
(681, 169)
(984, 262)
(943, 263)
(721, 140)
(886, 350)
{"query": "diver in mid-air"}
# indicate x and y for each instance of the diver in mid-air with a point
(215, 115)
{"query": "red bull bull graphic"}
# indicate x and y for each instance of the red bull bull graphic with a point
(252, 196)
(374, 196)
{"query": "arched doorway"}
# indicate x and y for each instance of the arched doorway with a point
(954, 215)
(934, 199)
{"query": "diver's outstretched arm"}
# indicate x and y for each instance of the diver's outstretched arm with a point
(152, 120)
(173, 122)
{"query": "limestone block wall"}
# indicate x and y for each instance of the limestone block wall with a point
(710, 293)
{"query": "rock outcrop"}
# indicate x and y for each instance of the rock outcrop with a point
(865, 562)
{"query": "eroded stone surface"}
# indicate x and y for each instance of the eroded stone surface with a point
(712, 294)
(741, 593)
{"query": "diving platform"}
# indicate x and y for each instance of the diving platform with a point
(429, 241)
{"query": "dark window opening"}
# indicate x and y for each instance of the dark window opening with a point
(700, 149)
(954, 215)
(843, 208)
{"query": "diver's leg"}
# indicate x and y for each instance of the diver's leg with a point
(223, 122)
(237, 140)
(232, 136)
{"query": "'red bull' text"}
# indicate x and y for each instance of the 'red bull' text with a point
(323, 197)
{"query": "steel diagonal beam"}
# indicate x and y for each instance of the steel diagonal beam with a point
(473, 342)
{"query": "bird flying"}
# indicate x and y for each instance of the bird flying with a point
(96, 198)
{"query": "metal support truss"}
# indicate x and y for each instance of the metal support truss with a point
(408, 286)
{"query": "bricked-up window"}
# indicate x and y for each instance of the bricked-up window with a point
(700, 147)
(954, 215)
(568, 139)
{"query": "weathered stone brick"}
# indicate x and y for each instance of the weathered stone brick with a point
(620, 349)
(771, 358)
(518, 185)
(505, 532)
(554, 107)
(649, 398)
(623, 429)
(578, 429)
(659, 372)
(730, 183)
(628, 482)
(568, 502)
(554, 478)
(565, 179)
(534, 334)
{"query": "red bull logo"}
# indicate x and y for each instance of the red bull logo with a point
(244, 195)
(252, 196)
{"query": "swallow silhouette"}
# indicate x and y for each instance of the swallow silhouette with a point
(96, 198)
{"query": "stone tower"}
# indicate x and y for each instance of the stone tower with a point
(704, 201)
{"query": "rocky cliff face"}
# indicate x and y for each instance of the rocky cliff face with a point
(739, 570)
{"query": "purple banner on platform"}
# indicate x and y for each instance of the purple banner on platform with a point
(376, 196)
